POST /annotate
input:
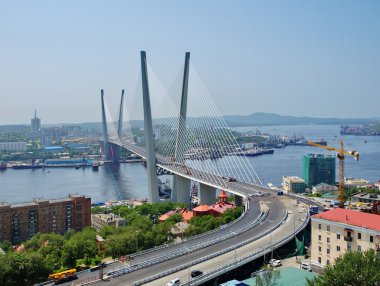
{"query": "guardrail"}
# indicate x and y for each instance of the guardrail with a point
(155, 260)
(197, 261)
(243, 260)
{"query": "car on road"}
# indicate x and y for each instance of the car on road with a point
(196, 273)
(174, 282)
(274, 262)
(230, 179)
(306, 266)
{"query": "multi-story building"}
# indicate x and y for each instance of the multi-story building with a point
(100, 220)
(318, 168)
(340, 230)
(13, 146)
(35, 123)
(293, 184)
(19, 222)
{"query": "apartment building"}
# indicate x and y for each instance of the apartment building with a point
(340, 230)
(100, 220)
(293, 184)
(19, 222)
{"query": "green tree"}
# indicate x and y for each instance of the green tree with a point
(267, 276)
(353, 268)
(175, 218)
(22, 269)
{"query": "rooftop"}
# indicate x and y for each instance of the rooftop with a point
(317, 155)
(355, 218)
(294, 179)
(289, 276)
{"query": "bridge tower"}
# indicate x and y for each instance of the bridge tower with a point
(106, 148)
(111, 150)
(181, 185)
(149, 138)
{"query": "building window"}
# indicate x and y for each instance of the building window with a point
(328, 262)
(338, 248)
(348, 246)
(359, 248)
(371, 238)
(319, 226)
(338, 236)
(319, 237)
(328, 228)
(320, 248)
(359, 235)
(328, 250)
(319, 260)
(328, 240)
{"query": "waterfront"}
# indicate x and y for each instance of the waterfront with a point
(129, 180)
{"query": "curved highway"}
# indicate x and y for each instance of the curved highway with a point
(156, 262)
(278, 208)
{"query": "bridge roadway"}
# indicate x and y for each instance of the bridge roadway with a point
(296, 218)
(238, 188)
(278, 207)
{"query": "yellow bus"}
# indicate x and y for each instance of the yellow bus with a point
(63, 276)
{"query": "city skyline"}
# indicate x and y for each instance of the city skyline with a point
(295, 58)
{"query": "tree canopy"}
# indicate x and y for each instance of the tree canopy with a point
(353, 269)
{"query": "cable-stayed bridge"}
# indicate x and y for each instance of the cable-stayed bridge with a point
(193, 143)
(199, 148)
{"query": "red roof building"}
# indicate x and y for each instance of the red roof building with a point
(216, 209)
(350, 217)
(186, 215)
(340, 230)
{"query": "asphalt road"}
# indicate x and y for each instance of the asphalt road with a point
(276, 213)
(278, 205)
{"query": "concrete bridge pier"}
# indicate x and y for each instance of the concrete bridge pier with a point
(238, 201)
(181, 189)
(207, 194)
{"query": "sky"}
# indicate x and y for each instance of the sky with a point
(301, 58)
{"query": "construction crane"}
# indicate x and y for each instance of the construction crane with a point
(340, 154)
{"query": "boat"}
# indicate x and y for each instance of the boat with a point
(68, 162)
(3, 165)
(255, 152)
(26, 166)
(303, 142)
(95, 166)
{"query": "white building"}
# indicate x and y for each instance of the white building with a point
(340, 230)
(293, 184)
(13, 146)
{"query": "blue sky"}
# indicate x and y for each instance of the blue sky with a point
(302, 58)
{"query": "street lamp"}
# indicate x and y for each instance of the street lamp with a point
(137, 240)
(234, 234)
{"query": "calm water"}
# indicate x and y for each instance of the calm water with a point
(129, 180)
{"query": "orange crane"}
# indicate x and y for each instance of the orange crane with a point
(340, 154)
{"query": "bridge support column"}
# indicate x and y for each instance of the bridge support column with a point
(180, 146)
(207, 194)
(149, 139)
(181, 189)
(106, 147)
(238, 201)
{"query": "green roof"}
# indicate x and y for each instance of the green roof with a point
(290, 276)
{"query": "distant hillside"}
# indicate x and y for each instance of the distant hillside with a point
(254, 119)
(262, 119)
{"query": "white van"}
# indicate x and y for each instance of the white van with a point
(306, 266)
(174, 282)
